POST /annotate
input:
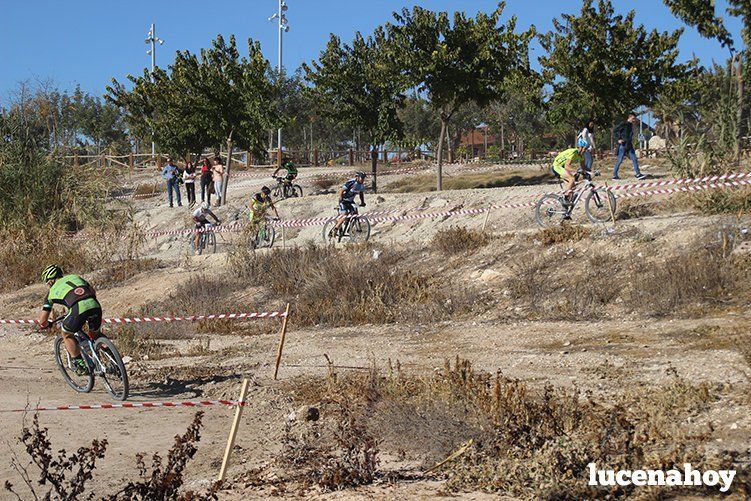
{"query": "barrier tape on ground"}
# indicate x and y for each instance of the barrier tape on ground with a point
(188, 318)
(134, 405)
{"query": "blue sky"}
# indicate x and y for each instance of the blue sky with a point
(90, 41)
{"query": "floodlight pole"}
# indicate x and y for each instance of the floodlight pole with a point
(152, 39)
(282, 26)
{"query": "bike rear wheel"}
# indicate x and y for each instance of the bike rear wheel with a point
(600, 205)
(295, 190)
(81, 384)
(211, 242)
(359, 230)
(550, 210)
(114, 375)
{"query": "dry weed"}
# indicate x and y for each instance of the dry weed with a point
(459, 240)
(560, 234)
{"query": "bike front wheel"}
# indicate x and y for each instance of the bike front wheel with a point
(359, 230)
(82, 383)
(211, 242)
(600, 205)
(550, 210)
(328, 228)
(112, 368)
(265, 237)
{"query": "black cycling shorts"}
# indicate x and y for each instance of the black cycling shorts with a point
(73, 321)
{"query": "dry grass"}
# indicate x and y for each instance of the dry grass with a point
(324, 183)
(561, 234)
(564, 284)
(529, 443)
(138, 344)
(350, 287)
(459, 240)
(427, 182)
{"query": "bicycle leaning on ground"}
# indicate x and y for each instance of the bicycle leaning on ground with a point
(285, 189)
(599, 203)
(102, 359)
(356, 228)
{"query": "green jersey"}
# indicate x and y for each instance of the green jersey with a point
(69, 290)
(291, 169)
(570, 154)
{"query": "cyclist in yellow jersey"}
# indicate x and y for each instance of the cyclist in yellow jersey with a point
(259, 205)
(567, 163)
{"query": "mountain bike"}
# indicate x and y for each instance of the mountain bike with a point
(284, 189)
(599, 203)
(102, 359)
(355, 228)
(206, 240)
(265, 234)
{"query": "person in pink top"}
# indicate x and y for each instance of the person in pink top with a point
(217, 173)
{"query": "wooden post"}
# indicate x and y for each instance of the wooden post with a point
(351, 157)
(315, 156)
(75, 160)
(281, 342)
(612, 212)
(233, 430)
(279, 157)
(487, 216)
(131, 161)
(248, 156)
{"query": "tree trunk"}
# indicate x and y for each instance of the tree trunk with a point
(374, 167)
(225, 181)
(444, 124)
(738, 144)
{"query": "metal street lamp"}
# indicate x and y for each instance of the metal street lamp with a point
(283, 27)
(152, 39)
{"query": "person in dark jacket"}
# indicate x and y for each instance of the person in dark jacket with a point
(624, 134)
(206, 181)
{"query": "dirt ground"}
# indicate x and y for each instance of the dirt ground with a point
(601, 356)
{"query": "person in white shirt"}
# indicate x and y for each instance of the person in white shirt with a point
(587, 134)
(189, 178)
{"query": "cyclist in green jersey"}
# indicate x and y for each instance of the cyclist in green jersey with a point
(567, 163)
(75, 294)
(291, 172)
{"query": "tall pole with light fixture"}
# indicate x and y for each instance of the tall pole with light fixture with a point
(283, 26)
(152, 39)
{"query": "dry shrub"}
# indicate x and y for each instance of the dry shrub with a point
(633, 209)
(560, 284)
(725, 201)
(560, 234)
(138, 345)
(349, 286)
(532, 443)
(119, 271)
(145, 190)
(459, 240)
(339, 452)
(324, 183)
(24, 254)
(64, 476)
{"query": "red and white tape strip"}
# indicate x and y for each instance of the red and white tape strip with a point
(189, 318)
(133, 405)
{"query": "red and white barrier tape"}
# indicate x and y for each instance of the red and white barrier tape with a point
(189, 318)
(133, 405)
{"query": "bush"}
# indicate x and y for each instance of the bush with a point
(350, 287)
(459, 240)
(527, 442)
(561, 233)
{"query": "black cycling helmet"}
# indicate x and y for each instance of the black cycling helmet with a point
(360, 174)
(266, 190)
(259, 197)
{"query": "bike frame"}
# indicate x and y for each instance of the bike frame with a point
(84, 341)
(579, 194)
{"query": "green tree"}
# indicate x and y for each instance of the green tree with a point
(357, 84)
(203, 101)
(601, 64)
(460, 60)
(421, 123)
(520, 114)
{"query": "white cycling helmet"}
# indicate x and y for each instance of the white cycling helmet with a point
(205, 205)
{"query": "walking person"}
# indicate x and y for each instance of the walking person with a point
(217, 173)
(189, 178)
(171, 174)
(624, 133)
(587, 134)
(206, 181)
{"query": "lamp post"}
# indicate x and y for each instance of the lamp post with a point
(152, 39)
(283, 27)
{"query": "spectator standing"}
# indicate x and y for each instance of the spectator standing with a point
(624, 134)
(217, 173)
(587, 134)
(189, 178)
(171, 174)
(206, 181)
